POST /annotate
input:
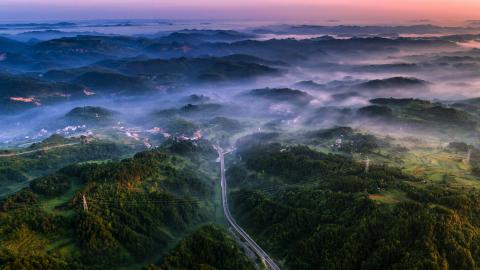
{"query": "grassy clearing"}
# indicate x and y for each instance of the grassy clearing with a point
(440, 166)
(389, 197)
(50, 205)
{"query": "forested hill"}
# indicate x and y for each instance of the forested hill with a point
(318, 211)
(135, 210)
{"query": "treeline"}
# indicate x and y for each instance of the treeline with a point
(135, 208)
(330, 221)
(208, 248)
(317, 229)
(414, 114)
(18, 169)
(24, 225)
(51, 185)
(300, 164)
(345, 139)
(122, 227)
(140, 167)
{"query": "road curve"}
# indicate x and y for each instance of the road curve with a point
(267, 261)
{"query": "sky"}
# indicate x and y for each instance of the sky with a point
(366, 11)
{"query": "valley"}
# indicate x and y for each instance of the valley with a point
(251, 147)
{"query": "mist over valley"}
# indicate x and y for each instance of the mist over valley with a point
(343, 146)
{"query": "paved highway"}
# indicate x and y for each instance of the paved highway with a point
(269, 263)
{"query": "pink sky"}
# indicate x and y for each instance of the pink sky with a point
(368, 11)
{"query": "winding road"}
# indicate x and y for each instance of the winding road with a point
(267, 261)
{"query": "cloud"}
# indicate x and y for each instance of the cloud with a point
(302, 10)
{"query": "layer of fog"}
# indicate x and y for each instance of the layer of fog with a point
(454, 82)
